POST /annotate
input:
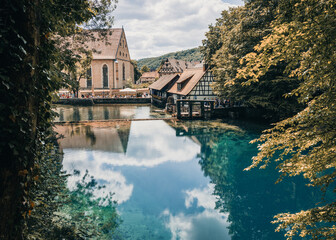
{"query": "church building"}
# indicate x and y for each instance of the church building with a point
(111, 64)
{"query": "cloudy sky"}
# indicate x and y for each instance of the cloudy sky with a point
(156, 27)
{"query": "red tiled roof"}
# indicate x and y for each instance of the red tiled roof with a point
(194, 74)
(162, 81)
(150, 75)
(106, 47)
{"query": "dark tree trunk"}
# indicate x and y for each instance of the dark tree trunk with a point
(20, 38)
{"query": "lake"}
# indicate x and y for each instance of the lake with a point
(181, 180)
(107, 112)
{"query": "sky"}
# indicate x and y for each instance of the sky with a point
(157, 27)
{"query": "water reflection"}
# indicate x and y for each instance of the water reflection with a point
(157, 173)
(107, 112)
(182, 180)
(111, 137)
(251, 199)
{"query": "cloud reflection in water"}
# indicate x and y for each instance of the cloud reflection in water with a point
(150, 144)
(209, 224)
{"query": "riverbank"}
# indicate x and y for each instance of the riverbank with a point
(93, 101)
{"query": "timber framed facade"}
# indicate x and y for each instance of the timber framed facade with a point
(172, 66)
(194, 84)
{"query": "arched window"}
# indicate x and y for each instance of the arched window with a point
(88, 78)
(105, 76)
(123, 71)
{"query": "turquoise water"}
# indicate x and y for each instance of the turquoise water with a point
(183, 180)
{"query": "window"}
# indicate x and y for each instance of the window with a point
(123, 71)
(88, 78)
(179, 87)
(117, 72)
(105, 76)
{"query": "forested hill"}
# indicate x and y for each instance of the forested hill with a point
(153, 63)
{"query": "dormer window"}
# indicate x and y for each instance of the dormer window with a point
(179, 87)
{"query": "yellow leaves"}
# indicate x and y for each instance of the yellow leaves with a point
(23, 172)
(92, 11)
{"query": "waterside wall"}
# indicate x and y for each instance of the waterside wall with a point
(93, 101)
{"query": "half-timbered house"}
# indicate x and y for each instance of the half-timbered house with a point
(159, 89)
(193, 84)
(172, 66)
(148, 77)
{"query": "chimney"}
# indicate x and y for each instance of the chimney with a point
(205, 66)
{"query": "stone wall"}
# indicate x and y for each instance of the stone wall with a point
(92, 101)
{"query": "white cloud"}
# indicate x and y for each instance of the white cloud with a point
(113, 181)
(208, 224)
(157, 27)
(203, 197)
(150, 144)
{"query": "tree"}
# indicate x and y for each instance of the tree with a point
(32, 64)
(235, 35)
(302, 37)
(144, 69)
(77, 71)
(137, 73)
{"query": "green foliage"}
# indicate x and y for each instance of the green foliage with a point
(304, 144)
(144, 69)
(235, 35)
(78, 71)
(280, 56)
(33, 59)
(89, 216)
(137, 73)
(193, 54)
(130, 84)
(58, 213)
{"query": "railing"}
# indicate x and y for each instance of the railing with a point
(194, 109)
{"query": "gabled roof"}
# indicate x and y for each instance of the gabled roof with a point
(180, 65)
(106, 47)
(186, 76)
(150, 75)
(162, 81)
(194, 74)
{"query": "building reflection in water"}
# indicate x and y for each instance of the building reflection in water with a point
(156, 169)
(110, 137)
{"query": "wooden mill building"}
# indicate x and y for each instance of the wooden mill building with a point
(193, 83)
(172, 66)
(160, 88)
